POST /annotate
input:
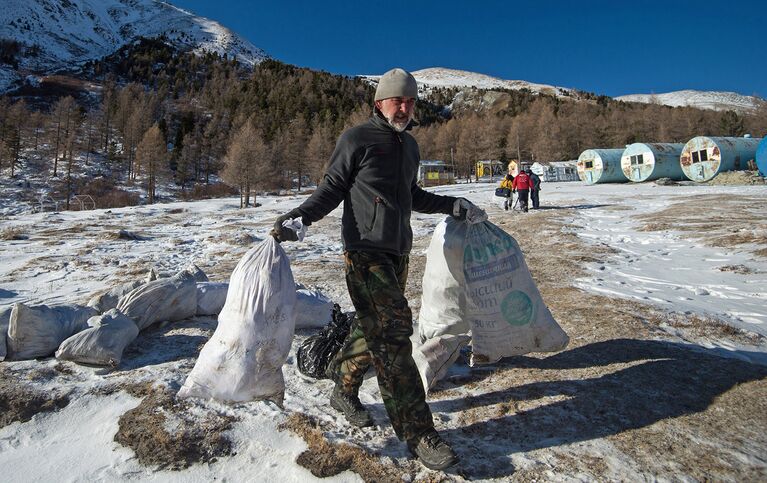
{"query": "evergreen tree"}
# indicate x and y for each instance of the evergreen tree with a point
(731, 124)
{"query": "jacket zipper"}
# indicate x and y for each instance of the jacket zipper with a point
(399, 185)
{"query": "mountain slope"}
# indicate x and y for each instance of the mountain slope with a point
(443, 77)
(717, 101)
(62, 34)
(453, 78)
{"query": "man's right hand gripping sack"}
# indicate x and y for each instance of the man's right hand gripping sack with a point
(476, 279)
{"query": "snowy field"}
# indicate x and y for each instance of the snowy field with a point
(659, 256)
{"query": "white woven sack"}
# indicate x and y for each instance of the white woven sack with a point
(166, 299)
(243, 359)
(435, 356)
(197, 273)
(102, 343)
(37, 331)
(5, 317)
(504, 308)
(211, 297)
(443, 300)
(103, 302)
(313, 308)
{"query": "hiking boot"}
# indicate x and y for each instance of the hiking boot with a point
(433, 451)
(351, 407)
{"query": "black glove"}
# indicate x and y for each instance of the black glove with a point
(465, 210)
(282, 233)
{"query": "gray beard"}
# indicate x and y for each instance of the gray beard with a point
(399, 127)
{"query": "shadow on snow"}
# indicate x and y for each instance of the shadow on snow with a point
(668, 380)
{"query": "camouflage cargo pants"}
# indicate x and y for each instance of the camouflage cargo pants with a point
(380, 335)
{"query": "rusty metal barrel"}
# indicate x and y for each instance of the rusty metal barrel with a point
(651, 161)
(704, 157)
(601, 166)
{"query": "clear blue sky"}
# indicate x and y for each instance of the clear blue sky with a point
(608, 47)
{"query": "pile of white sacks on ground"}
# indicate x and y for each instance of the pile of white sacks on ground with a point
(98, 333)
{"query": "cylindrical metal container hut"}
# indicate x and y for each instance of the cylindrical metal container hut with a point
(601, 166)
(704, 157)
(761, 157)
(650, 161)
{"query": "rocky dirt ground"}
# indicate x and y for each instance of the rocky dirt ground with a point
(631, 398)
(627, 400)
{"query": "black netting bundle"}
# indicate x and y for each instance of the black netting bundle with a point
(316, 352)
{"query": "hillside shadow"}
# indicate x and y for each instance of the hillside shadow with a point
(669, 380)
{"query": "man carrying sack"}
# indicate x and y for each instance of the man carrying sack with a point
(373, 170)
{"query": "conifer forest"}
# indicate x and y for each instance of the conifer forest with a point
(150, 121)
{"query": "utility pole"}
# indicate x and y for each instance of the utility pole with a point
(452, 163)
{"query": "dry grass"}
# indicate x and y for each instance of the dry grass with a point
(144, 429)
(739, 238)
(625, 382)
(21, 404)
(13, 233)
(134, 269)
(325, 459)
(123, 235)
(737, 178)
(741, 269)
(79, 229)
(716, 220)
(696, 326)
(616, 381)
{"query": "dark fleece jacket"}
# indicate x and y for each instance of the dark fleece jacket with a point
(373, 170)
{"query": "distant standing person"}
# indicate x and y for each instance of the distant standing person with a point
(523, 185)
(535, 192)
(508, 183)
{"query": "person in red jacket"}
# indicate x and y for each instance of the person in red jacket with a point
(523, 185)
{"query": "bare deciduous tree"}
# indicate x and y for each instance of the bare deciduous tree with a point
(248, 163)
(14, 138)
(70, 143)
(152, 155)
(318, 151)
(291, 150)
(61, 118)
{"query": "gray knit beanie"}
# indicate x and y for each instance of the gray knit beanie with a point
(396, 83)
